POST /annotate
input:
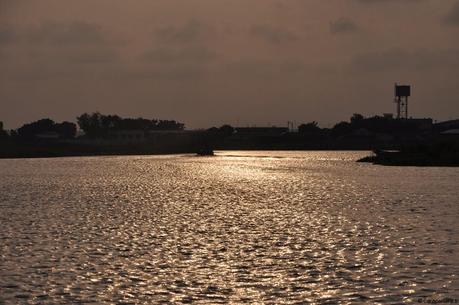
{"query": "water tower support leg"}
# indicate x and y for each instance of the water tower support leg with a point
(406, 106)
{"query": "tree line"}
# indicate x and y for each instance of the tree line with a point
(375, 124)
(94, 125)
(64, 130)
(97, 125)
(3, 133)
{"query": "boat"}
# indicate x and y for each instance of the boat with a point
(205, 152)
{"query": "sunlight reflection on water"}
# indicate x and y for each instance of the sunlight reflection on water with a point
(241, 227)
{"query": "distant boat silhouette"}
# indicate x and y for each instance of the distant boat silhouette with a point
(205, 152)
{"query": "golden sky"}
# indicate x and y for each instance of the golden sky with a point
(209, 62)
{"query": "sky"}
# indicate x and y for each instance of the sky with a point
(240, 62)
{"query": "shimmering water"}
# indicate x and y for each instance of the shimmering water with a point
(241, 227)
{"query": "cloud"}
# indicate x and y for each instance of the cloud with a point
(183, 55)
(174, 63)
(394, 59)
(192, 31)
(273, 35)
(264, 69)
(453, 17)
(390, 1)
(54, 34)
(86, 55)
(65, 34)
(169, 73)
(7, 35)
(343, 25)
(54, 49)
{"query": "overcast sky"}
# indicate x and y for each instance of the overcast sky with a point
(209, 62)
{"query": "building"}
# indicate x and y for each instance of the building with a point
(49, 135)
(446, 125)
(261, 131)
(128, 136)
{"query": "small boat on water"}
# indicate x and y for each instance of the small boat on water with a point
(205, 152)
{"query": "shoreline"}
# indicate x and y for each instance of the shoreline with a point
(153, 153)
(425, 156)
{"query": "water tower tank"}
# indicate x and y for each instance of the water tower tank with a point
(402, 91)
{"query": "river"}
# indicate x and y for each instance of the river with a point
(241, 227)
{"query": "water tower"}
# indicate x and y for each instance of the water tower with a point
(402, 92)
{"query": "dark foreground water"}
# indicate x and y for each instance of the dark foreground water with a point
(242, 227)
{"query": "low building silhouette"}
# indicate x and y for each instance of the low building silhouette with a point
(261, 131)
(127, 136)
(446, 125)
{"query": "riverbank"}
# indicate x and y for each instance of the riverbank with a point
(437, 154)
(52, 150)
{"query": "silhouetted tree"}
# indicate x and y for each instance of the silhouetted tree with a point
(226, 130)
(29, 131)
(3, 133)
(379, 124)
(108, 122)
(309, 127)
(169, 125)
(212, 130)
(91, 124)
(136, 124)
(341, 129)
(356, 118)
(65, 130)
(99, 125)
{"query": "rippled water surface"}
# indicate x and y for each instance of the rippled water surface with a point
(241, 227)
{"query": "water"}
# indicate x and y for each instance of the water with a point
(241, 227)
